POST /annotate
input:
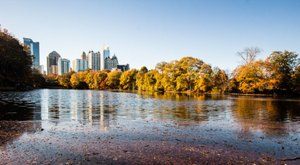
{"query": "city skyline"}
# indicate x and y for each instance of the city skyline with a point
(148, 32)
(96, 61)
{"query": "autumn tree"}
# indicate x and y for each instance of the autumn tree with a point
(113, 79)
(204, 81)
(64, 80)
(78, 80)
(140, 77)
(150, 80)
(253, 78)
(128, 80)
(100, 78)
(219, 80)
(89, 79)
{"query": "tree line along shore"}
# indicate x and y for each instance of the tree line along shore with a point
(278, 74)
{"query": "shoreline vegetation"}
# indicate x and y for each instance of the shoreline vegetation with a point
(277, 75)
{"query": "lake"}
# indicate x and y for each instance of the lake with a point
(90, 126)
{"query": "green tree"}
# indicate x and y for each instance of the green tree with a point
(283, 65)
(296, 80)
(15, 61)
(36, 79)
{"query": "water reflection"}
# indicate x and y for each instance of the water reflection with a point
(85, 106)
(256, 124)
(15, 110)
(267, 109)
(273, 117)
(17, 106)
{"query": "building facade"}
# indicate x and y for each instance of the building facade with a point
(123, 67)
(94, 60)
(34, 50)
(108, 62)
(52, 61)
(114, 62)
(111, 63)
(63, 66)
(79, 65)
(83, 56)
(104, 57)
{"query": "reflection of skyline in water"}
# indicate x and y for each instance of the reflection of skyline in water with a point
(247, 123)
(273, 117)
(83, 106)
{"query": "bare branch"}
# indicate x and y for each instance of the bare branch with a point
(249, 54)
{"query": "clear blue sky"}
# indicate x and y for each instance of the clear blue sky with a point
(145, 32)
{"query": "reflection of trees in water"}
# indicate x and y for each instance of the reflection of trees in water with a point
(179, 96)
(267, 115)
(19, 111)
(181, 107)
(11, 113)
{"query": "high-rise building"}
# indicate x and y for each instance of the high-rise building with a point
(63, 66)
(52, 61)
(114, 62)
(104, 57)
(79, 65)
(34, 48)
(94, 59)
(83, 56)
(111, 63)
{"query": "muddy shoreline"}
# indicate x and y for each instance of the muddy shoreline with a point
(28, 143)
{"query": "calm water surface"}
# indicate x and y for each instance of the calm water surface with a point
(255, 124)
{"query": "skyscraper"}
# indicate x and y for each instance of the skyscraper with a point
(34, 48)
(105, 55)
(83, 56)
(94, 59)
(52, 61)
(79, 65)
(63, 66)
(114, 62)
